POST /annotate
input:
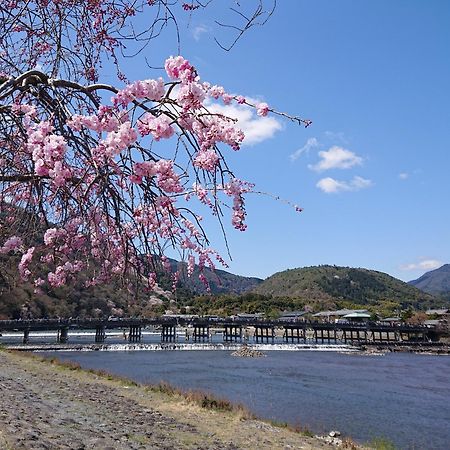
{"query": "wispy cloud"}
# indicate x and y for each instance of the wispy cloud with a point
(424, 264)
(336, 136)
(198, 31)
(310, 143)
(403, 175)
(336, 158)
(331, 186)
(255, 128)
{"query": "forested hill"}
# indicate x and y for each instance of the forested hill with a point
(20, 299)
(330, 284)
(434, 282)
(220, 281)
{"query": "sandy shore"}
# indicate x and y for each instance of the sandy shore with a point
(46, 406)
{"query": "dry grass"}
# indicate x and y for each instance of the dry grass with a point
(296, 428)
(203, 399)
(350, 444)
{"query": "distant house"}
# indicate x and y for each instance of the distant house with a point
(357, 316)
(438, 317)
(437, 312)
(433, 323)
(246, 316)
(391, 320)
(292, 315)
(171, 315)
(329, 316)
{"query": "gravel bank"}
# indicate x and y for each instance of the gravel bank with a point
(43, 406)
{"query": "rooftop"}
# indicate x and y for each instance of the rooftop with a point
(340, 312)
(439, 312)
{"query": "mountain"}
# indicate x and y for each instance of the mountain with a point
(329, 286)
(434, 282)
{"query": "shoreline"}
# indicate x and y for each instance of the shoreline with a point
(54, 405)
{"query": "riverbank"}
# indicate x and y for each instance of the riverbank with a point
(53, 406)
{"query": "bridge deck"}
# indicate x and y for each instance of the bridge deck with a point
(57, 324)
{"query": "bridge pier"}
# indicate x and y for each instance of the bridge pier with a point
(26, 336)
(377, 336)
(329, 335)
(135, 334)
(100, 334)
(232, 333)
(63, 335)
(325, 334)
(345, 337)
(416, 336)
(168, 333)
(294, 334)
(264, 333)
(201, 333)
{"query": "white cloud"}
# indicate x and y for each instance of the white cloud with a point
(198, 31)
(424, 264)
(403, 175)
(331, 186)
(336, 158)
(255, 128)
(310, 143)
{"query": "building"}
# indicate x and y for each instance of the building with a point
(333, 316)
(293, 316)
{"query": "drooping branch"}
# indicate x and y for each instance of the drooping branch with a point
(106, 185)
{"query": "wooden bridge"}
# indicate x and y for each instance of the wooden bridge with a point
(236, 330)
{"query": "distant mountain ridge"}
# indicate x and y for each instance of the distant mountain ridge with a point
(436, 281)
(330, 284)
(220, 281)
(109, 298)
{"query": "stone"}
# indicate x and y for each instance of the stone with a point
(334, 433)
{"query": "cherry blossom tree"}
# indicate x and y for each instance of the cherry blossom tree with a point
(100, 178)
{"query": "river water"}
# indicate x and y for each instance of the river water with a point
(402, 397)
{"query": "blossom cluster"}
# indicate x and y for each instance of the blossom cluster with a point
(11, 244)
(48, 152)
(113, 197)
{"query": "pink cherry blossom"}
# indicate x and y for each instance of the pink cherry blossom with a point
(160, 127)
(179, 68)
(11, 244)
(191, 96)
(25, 262)
(262, 109)
(207, 160)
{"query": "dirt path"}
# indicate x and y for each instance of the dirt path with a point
(43, 406)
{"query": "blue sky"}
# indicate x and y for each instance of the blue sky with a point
(372, 172)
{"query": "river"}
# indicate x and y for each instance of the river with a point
(402, 397)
